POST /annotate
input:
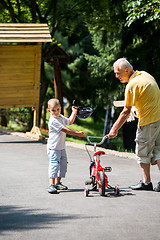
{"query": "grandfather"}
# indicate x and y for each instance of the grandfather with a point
(142, 92)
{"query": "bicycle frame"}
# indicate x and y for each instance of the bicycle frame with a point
(96, 168)
(97, 173)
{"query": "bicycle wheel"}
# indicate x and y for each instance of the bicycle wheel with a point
(101, 183)
(92, 176)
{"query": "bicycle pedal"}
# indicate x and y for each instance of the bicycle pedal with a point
(107, 169)
(88, 182)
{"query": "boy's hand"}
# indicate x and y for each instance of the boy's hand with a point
(80, 134)
(72, 132)
(74, 109)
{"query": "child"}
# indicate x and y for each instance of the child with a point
(56, 144)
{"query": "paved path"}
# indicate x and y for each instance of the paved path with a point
(27, 211)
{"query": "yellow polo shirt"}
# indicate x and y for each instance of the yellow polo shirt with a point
(143, 92)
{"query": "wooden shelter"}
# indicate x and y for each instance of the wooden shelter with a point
(56, 56)
(20, 66)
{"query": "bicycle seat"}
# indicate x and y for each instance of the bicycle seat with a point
(99, 153)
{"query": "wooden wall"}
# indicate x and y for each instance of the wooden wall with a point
(20, 75)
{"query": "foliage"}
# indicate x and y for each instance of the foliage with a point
(142, 41)
(105, 26)
(146, 10)
(94, 34)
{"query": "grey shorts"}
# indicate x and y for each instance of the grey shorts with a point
(57, 163)
(148, 143)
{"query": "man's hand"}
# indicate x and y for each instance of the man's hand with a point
(120, 121)
(113, 133)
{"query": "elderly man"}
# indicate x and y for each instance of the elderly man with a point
(142, 92)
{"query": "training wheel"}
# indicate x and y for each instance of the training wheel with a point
(86, 192)
(116, 190)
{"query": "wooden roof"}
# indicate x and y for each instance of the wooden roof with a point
(24, 32)
(55, 52)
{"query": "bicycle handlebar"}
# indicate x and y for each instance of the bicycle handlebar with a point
(93, 143)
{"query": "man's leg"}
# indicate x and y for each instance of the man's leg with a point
(146, 184)
(146, 172)
(157, 188)
(158, 164)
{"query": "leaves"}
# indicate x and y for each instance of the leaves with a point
(94, 33)
(146, 10)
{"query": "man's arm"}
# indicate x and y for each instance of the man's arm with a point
(120, 121)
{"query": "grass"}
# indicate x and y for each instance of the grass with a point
(91, 128)
(14, 126)
(88, 126)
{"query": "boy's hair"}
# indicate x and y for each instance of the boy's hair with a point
(122, 63)
(53, 102)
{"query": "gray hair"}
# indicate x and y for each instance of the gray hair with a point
(122, 63)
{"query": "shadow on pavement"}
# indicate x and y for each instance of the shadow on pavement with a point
(4, 133)
(73, 190)
(122, 193)
(23, 142)
(14, 218)
(17, 138)
(108, 193)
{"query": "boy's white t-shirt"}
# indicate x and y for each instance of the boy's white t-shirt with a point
(57, 138)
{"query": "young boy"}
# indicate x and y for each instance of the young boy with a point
(56, 144)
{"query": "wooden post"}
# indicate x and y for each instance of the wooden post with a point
(35, 131)
(37, 73)
(36, 117)
(58, 82)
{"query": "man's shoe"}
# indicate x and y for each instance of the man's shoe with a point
(157, 188)
(60, 186)
(142, 186)
(52, 189)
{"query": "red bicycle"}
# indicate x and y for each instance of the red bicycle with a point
(98, 178)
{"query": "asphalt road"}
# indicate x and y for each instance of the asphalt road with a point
(28, 211)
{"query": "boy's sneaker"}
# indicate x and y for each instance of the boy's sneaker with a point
(157, 188)
(52, 189)
(60, 186)
(142, 186)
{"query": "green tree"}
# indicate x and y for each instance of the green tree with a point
(148, 11)
(59, 15)
(142, 40)
(94, 33)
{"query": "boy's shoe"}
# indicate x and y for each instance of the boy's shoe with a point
(52, 189)
(142, 186)
(157, 188)
(60, 186)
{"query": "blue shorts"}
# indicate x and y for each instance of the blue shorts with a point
(57, 163)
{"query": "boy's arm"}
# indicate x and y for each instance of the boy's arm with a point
(73, 115)
(72, 132)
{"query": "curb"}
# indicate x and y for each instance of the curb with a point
(107, 151)
(77, 145)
